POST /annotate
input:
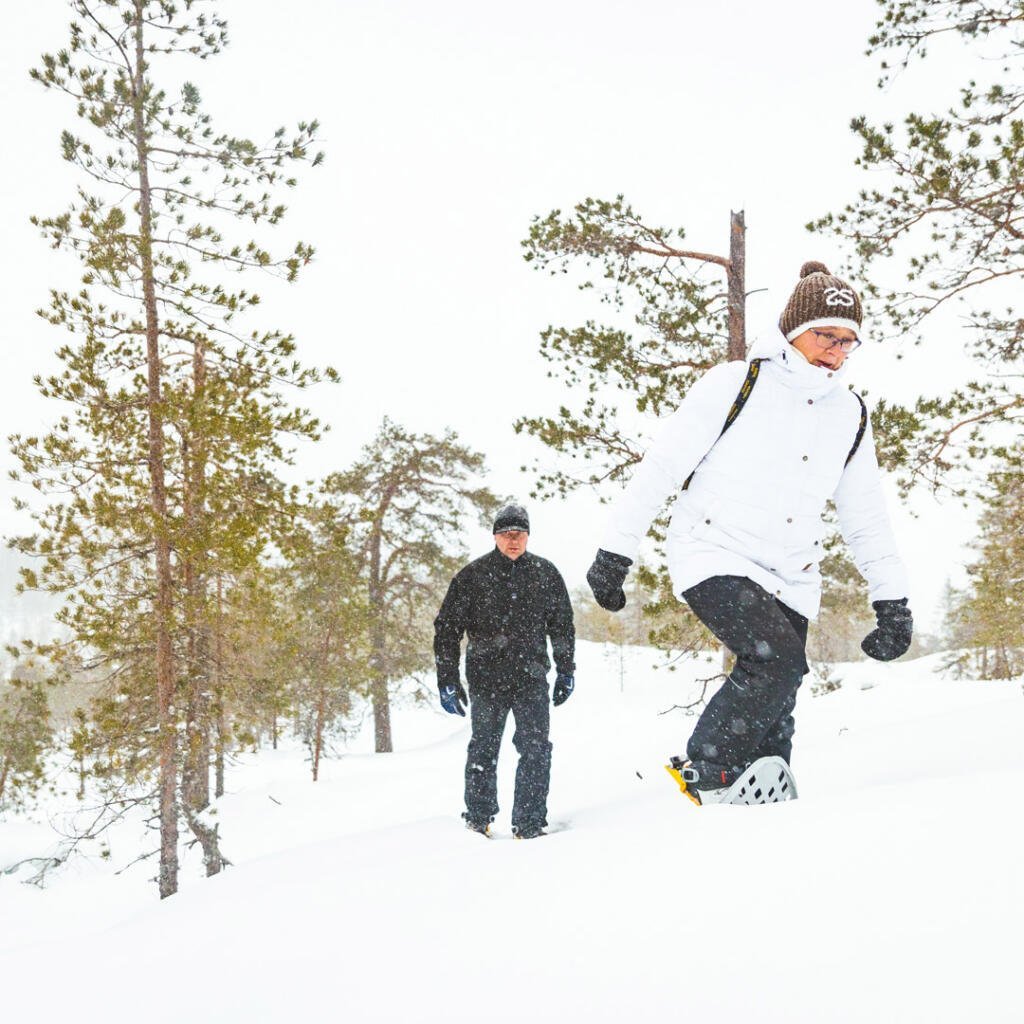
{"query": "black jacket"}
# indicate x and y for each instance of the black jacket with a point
(508, 608)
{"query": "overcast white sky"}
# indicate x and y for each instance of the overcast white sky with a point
(448, 125)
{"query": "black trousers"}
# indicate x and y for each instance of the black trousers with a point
(751, 716)
(489, 707)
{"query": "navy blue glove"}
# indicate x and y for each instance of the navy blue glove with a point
(564, 685)
(606, 577)
(453, 698)
(894, 633)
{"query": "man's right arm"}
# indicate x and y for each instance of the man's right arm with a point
(449, 626)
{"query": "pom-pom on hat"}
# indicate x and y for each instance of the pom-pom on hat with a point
(820, 300)
(512, 517)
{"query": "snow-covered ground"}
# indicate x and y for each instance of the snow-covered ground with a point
(890, 892)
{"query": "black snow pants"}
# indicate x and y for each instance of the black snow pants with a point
(528, 701)
(751, 716)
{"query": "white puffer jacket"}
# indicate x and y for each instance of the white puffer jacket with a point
(754, 507)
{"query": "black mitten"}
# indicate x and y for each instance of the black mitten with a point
(894, 632)
(606, 577)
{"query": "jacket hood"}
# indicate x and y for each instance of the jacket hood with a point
(795, 370)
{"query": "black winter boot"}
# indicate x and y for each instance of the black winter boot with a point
(483, 827)
(528, 831)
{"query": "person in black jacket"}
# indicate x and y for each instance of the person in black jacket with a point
(508, 603)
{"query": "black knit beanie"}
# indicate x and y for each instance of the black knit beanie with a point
(512, 517)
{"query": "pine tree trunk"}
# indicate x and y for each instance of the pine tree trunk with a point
(196, 770)
(381, 715)
(379, 696)
(196, 776)
(1002, 665)
(737, 275)
(219, 755)
(218, 689)
(205, 759)
(321, 706)
(318, 737)
(200, 596)
(209, 840)
(378, 641)
(167, 744)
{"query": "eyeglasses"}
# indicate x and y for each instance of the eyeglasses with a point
(826, 340)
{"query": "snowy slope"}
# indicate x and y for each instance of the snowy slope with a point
(891, 891)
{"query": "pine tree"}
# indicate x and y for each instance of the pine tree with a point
(956, 634)
(163, 474)
(253, 662)
(326, 605)
(940, 215)
(682, 322)
(25, 737)
(992, 612)
(406, 502)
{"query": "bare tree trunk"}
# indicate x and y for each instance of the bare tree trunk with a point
(167, 744)
(737, 275)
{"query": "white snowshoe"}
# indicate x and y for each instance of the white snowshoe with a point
(767, 781)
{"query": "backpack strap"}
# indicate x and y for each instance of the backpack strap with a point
(860, 429)
(741, 400)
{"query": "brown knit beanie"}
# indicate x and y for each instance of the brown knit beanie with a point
(820, 300)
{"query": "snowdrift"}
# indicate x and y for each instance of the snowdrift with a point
(891, 891)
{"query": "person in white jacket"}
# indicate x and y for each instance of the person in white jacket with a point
(745, 538)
